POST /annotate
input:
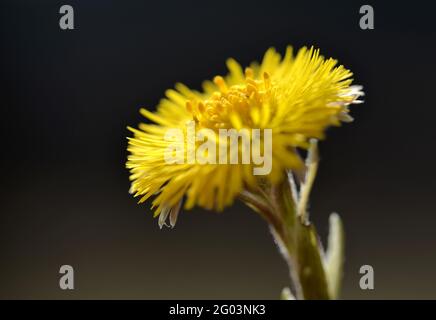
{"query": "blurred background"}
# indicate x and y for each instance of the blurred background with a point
(67, 97)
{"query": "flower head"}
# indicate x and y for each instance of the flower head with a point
(296, 97)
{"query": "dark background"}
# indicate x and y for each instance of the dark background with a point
(67, 97)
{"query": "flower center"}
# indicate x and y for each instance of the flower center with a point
(235, 106)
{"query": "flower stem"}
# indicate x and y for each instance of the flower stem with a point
(298, 241)
(285, 210)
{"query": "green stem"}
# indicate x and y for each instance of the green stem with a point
(285, 209)
(300, 246)
(296, 238)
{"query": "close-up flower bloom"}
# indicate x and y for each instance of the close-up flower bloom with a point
(240, 150)
(293, 99)
(296, 96)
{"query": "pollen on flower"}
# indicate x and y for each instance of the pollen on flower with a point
(233, 106)
(296, 96)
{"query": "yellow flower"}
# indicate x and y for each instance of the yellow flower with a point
(297, 97)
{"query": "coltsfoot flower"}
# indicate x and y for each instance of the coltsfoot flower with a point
(298, 97)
